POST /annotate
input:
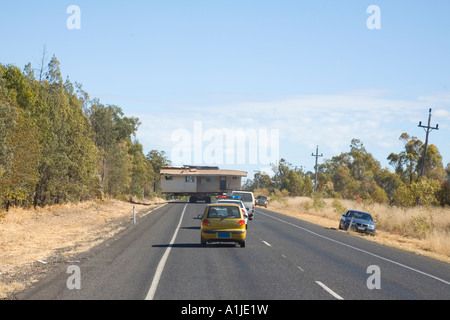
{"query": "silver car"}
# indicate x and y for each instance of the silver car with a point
(359, 221)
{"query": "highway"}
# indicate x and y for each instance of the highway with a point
(160, 258)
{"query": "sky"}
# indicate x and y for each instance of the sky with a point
(241, 84)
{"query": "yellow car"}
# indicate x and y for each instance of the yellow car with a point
(223, 222)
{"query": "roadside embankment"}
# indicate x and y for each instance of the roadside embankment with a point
(422, 230)
(32, 240)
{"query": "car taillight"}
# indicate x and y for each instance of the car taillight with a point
(206, 223)
(241, 223)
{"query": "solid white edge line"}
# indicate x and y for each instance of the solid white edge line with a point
(361, 250)
(162, 262)
(334, 294)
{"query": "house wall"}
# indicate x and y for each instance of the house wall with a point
(208, 184)
(234, 184)
(178, 184)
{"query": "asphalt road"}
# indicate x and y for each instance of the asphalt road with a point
(160, 258)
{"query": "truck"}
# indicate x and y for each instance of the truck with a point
(199, 183)
(248, 199)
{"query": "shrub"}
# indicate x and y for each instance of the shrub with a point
(318, 202)
(379, 195)
(339, 209)
(280, 196)
(425, 191)
(403, 197)
(422, 226)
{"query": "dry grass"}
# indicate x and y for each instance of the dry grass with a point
(422, 230)
(57, 232)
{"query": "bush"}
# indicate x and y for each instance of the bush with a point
(318, 202)
(422, 226)
(261, 192)
(280, 196)
(339, 209)
(425, 191)
(379, 195)
(403, 197)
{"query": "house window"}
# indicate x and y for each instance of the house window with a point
(190, 179)
(169, 177)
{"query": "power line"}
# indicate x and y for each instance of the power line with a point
(428, 130)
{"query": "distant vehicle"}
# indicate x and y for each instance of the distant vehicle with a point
(262, 201)
(240, 204)
(359, 221)
(248, 199)
(223, 222)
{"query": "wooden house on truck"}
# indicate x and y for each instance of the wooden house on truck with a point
(199, 182)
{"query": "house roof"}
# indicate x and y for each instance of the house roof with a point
(200, 171)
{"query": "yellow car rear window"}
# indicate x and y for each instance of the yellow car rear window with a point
(224, 212)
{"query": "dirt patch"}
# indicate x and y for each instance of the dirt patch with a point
(33, 241)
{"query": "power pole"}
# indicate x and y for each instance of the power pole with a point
(257, 171)
(428, 130)
(317, 155)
